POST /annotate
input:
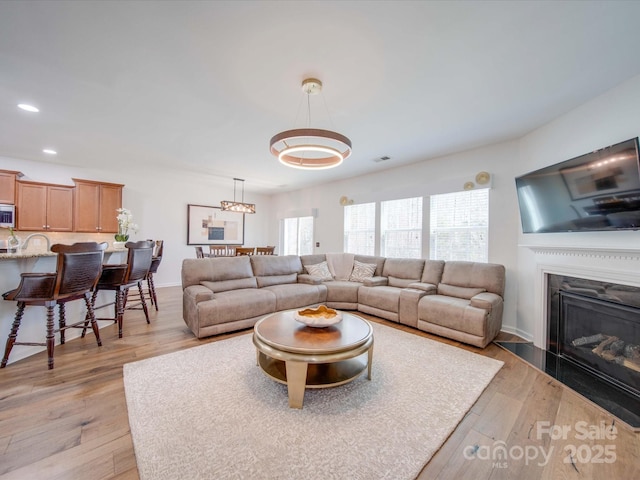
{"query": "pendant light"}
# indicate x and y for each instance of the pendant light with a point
(310, 148)
(238, 207)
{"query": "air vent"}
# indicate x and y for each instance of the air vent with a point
(382, 159)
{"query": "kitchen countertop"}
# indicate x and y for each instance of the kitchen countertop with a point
(37, 254)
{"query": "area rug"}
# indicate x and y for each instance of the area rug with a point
(209, 412)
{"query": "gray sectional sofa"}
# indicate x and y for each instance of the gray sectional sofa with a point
(458, 300)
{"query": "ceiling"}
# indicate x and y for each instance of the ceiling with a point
(203, 86)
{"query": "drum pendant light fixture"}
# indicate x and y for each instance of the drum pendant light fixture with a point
(238, 207)
(310, 148)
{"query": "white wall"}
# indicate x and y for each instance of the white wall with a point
(426, 178)
(605, 120)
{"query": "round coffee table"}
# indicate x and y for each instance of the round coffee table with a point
(306, 357)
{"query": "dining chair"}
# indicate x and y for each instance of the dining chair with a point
(265, 250)
(120, 278)
(245, 251)
(199, 252)
(218, 251)
(77, 271)
(231, 250)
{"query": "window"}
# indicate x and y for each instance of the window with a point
(401, 228)
(297, 236)
(460, 226)
(360, 228)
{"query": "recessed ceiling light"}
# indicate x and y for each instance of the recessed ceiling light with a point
(28, 108)
(49, 151)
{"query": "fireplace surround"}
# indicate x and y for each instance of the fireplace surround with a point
(587, 333)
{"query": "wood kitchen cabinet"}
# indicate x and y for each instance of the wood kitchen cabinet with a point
(96, 205)
(44, 207)
(8, 186)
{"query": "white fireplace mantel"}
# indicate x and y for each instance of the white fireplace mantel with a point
(591, 252)
(607, 264)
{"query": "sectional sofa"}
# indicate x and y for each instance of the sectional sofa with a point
(458, 300)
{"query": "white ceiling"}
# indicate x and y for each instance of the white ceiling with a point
(203, 86)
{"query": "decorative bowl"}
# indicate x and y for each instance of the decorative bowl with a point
(319, 317)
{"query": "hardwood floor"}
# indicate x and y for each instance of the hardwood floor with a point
(71, 422)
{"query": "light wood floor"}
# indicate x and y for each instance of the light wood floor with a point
(71, 422)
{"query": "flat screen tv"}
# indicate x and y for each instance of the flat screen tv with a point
(598, 191)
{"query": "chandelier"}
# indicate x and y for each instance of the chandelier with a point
(310, 148)
(238, 207)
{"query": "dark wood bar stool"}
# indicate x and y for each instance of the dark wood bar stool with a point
(78, 269)
(133, 300)
(155, 263)
(120, 278)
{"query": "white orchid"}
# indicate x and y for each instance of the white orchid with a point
(125, 223)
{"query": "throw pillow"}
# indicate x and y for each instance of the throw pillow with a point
(320, 270)
(362, 271)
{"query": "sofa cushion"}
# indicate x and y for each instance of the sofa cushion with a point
(490, 276)
(459, 292)
(383, 298)
(276, 270)
(403, 271)
(269, 280)
(236, 305)
(196, 270)
(340, 265)
(342, 291)
(225, 285)
(312, 259)
(432, 272)
(454, 313)
(297, 295)
(320, 270)
(264, 265)
(362, 271)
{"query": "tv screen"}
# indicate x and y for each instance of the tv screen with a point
(592, 192)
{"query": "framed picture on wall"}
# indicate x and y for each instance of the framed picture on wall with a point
(213, 226)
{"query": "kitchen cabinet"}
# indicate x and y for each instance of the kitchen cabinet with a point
(44, 207)
(96, 205)
(8, 186)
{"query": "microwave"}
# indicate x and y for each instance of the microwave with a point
(7, 216)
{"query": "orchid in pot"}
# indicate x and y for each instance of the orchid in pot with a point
(125, 223)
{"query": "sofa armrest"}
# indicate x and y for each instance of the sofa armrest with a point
(376, 282)
(408, 308)
(309, 279)
(486, 301)
(199, 293)
(429, 288)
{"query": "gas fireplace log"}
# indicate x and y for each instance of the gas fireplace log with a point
(604, 345)
(610, 345)
(632, 352)
(590, 340)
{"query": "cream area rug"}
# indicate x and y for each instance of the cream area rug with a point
(209, 412)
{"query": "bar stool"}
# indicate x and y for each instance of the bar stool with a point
(151, 288)
(155, 263)
(78, 269)
(120, 278)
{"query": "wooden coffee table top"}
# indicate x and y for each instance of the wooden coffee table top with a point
(283, 332)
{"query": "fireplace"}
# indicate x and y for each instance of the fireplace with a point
(596, 325)
(593, 342)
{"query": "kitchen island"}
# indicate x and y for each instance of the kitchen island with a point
(32, 328)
